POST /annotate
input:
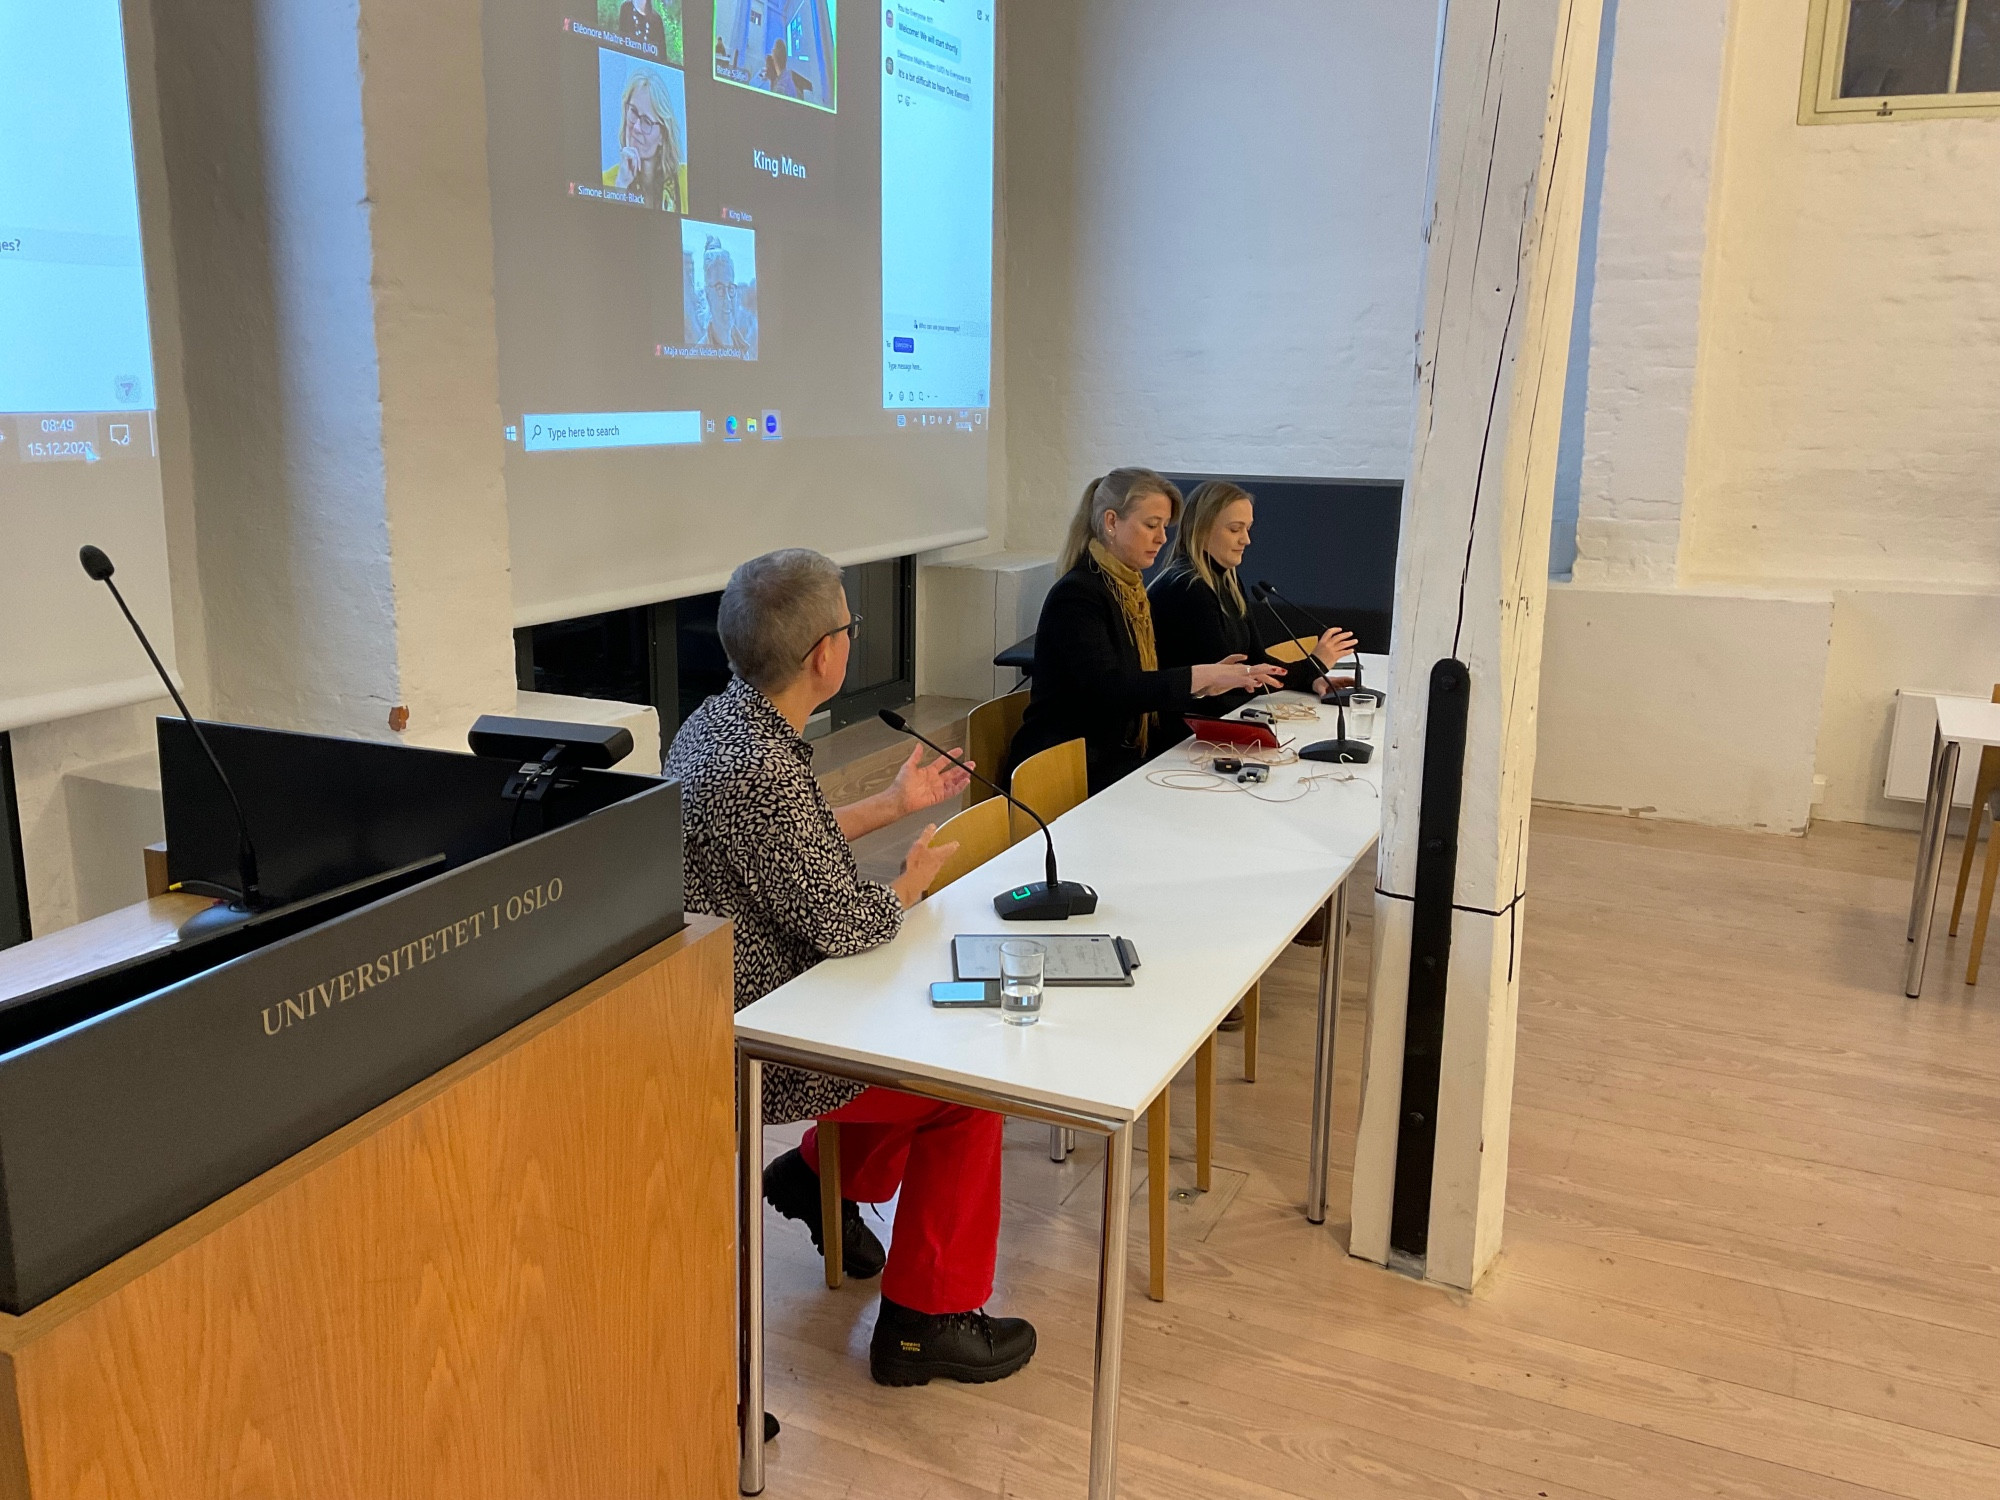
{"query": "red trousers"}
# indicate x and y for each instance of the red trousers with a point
(946, 1160)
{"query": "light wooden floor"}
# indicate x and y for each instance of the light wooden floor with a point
(1752, 1236)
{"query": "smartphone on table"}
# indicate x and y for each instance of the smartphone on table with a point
(965, 994)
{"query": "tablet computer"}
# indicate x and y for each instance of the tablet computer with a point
(1233, 732)
(1068, 957)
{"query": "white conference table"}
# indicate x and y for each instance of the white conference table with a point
(1210, 887)
(1962, 722)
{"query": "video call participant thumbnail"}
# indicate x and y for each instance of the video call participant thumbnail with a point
(719, 268)
(651, 25)
(787, 48)
(643, 129)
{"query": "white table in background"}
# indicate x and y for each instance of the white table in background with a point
(1962, 723)
(1209, 886)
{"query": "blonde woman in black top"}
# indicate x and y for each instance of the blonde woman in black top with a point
(1098, 673)
(1199, 612)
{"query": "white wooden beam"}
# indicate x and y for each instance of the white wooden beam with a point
(1511, 131)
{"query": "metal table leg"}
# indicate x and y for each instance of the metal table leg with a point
(750, 1255)
(1332, 962)
(1930, 866)
(1926, 830)
(1110, 1315)
(750, 1272)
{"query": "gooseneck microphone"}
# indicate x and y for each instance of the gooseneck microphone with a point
(1264, 592)
(1051, 900)
(246, 901)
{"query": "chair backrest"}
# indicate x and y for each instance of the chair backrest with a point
(980, 832)
(1051, 782)
(989, 730)
(1288, 652)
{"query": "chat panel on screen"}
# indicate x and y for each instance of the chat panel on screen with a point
(937, 186)
(712, 223)
(78, 454)
(76, 353)
(74, 336)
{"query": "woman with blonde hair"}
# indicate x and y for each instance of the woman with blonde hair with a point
(1098, 675)
(651, 162)
(1199, 612)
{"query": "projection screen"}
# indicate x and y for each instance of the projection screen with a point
(743, 256)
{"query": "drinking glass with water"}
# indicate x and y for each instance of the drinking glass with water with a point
(1362, 707)
(1020, 982)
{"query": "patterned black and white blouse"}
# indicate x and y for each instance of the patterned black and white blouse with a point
(764, 849)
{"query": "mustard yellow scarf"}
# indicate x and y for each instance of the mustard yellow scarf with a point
(1128, 586)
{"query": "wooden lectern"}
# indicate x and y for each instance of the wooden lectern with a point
(515, 1279)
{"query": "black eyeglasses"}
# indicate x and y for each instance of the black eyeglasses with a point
(852, 630)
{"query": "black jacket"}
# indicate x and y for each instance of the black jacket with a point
(1193, 626)
(1088, 684)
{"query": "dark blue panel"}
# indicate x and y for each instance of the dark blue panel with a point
(1329, 544)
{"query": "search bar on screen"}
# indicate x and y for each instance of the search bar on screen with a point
(565, 432)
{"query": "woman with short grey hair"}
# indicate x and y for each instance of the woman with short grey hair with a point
(764, 848)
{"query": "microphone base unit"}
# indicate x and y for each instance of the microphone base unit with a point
(1038, 902)
(1339, 752)
(1050, 900)
(1344, 697)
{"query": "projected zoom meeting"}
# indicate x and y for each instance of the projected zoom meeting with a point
(749, 221)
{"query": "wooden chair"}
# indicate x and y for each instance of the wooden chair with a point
(1253, 1007)
(1204, 1117)
(989, 731)
(981, 832)
(827, 1132)
(1204, 1137)
(1204, 1108)
(1051, 782)
(1159, 1162)
(1253, 1002)
(1985, 800)
(155, 857)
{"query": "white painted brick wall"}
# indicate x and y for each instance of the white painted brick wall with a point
(1652, 236)
(1848, 424)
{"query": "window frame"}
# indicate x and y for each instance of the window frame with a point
(1819, 90)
